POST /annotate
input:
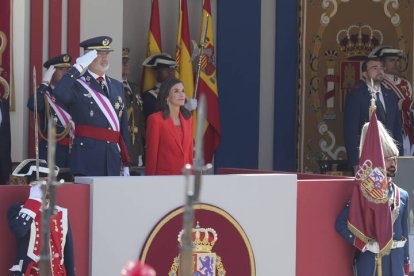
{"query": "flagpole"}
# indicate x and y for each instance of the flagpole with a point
(372, 109)
(202, 46)
(379, 265)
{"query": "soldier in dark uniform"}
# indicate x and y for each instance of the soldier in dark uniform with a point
(48, 106)
(96, 103)
(24, 221)
(5, 141)
(163, 66)
(136, 119)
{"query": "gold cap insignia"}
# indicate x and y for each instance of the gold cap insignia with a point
(105, 42)
(125, 52)
(65, 58)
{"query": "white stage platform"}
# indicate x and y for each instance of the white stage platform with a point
(124, 211)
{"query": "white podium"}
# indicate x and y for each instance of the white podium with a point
(125, 209)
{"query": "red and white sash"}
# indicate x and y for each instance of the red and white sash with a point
(391, 85)
(63, 116)
(103, 103)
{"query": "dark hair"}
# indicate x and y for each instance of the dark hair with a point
(368, 59)
(163, 94)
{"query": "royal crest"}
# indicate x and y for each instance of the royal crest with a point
(65, 58)
(205, 262)
(208, 60)
(373, 182)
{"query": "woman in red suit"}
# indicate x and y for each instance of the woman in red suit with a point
(169, 132)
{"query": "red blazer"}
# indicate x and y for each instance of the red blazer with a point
(166, 154)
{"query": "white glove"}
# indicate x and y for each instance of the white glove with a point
(140, 162)
(373, 247)
(36, 190)
(47, 76)
(83, 61)
(125, 171)
(191, 104)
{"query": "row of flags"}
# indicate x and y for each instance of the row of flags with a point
(207, 84)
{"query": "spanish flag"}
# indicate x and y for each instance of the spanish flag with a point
(183, 52)
(153, 46)
(208, 85)
(369, 213)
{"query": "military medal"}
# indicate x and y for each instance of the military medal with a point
(119, 105)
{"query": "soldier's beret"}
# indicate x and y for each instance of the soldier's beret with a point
(61, 61)
(28, 168)
(99, 43)
(160, 60)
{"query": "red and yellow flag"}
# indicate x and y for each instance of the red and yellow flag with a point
(207, 85)
(369, 213)
(153, 46)
(183, 52)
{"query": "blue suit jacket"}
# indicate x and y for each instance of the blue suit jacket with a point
(392, 264)
(356, 114)
(90, 156)
(62, 151)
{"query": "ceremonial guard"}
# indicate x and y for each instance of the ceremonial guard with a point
(48, 106)
(366, 258)
(402, 88)
(136, 120)
(97, 105)
(24, 221)
(163, 66)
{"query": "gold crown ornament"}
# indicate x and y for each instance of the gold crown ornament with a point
(357, 41)
(203, 238)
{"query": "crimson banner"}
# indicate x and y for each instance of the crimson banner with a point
(5, 39)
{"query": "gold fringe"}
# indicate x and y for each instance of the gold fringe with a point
(362, 237)
(59, 136)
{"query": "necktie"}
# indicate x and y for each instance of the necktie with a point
(380, 109)
(103, 86)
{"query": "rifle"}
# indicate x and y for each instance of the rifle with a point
(192, 194)
(36, 123)
(48, 203)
